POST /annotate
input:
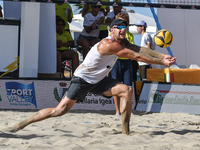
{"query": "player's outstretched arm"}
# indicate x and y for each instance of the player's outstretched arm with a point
(142, 50)
(157, 58)
(108, 47)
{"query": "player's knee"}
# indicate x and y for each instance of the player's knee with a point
(59, 111)
(128, 92)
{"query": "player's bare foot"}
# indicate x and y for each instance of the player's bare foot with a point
(10, 129)
(16, 127)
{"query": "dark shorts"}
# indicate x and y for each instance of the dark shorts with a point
(123, 71)
(79, 88)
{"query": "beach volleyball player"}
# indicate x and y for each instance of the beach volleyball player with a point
(91, 76)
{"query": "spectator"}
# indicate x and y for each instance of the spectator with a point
(111, 15)
(89, 35)
(103, 29)
(64, 11)
(1, 12)
(64, 41)
(146, 41)
(123, 69)
(105, 9)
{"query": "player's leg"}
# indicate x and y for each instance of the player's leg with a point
(63, 107)
(126, 94)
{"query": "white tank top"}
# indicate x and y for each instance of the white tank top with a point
(95, 67)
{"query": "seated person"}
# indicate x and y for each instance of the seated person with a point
(89, 35)
(105, 9)
(64, 41)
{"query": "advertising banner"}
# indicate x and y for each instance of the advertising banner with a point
(169, 97)
(183, 75)
(39, 94)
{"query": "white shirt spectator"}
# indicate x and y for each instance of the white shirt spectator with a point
(88, 21)
(146, 39)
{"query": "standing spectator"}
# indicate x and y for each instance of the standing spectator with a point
(123, 69)
(105, 9)
(1, 12)
(146, 41)
(89, 35)
(64, 11)
(64, 41)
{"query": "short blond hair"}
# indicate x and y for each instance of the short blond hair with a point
(123, 16)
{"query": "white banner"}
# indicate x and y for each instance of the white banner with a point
(39, 94)
(169, 97)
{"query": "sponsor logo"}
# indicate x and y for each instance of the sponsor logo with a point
(172, 97)
(14, 65)
(20, 94)
(97, 100)
(63, 84)
(58, 94)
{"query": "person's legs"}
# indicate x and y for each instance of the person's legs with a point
(85, 45)
(144, 70)
(59, 62)
(135, 68)
(127, 72)
(117, 104)
(116, 74)
(126, 94)
(72, 55)
(63, 107)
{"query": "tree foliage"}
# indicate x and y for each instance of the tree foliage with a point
(79, 8)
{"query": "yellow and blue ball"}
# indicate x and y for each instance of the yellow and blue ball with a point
(163, 38)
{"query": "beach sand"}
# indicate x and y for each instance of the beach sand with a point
(101, 130)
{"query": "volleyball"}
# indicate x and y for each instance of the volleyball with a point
(163, 38)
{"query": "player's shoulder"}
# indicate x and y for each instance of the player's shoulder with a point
(107, 46)
(108, 42)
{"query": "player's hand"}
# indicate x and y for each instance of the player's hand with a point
(168, 60)
(94, 25)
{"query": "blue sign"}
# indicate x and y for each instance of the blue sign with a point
(21, 94)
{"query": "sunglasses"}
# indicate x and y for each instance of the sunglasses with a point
(96, 6)
(121, 27)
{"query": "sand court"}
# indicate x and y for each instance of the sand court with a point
(101, 130)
